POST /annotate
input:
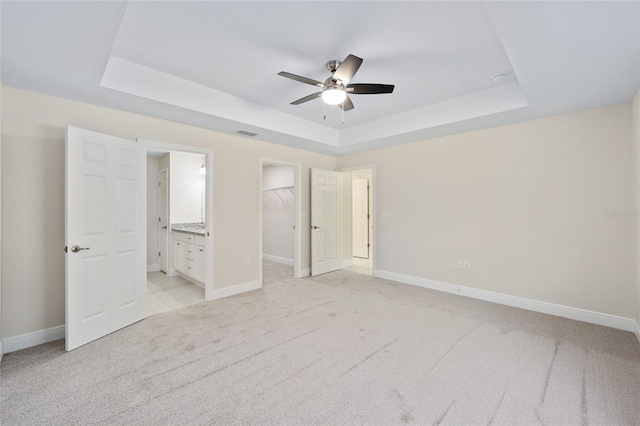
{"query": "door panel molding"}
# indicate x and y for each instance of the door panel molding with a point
(326, 221)
(105, 221)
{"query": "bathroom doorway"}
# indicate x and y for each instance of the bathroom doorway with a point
(179, 224)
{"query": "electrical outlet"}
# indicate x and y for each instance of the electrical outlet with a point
(246, 261)
(459, 264)
(466, 266)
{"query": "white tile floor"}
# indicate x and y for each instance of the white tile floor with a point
(166, 293)
(361, 266)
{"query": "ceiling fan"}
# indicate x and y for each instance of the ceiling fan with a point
(336, 89)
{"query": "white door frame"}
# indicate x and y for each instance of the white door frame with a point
(297, 242)
(164, 249)
(208, 158)
(372, 193)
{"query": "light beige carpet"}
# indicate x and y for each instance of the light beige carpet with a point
(342, 348)
(273, 272)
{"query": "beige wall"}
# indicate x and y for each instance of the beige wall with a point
(636, 196)
(524, 203)
(33, 161)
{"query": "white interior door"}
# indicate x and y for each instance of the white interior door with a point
(163, 222)
(360, 218)
(326, 223)
(105, 235)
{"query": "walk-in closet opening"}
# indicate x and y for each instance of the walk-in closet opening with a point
(176, 231)
(279, 218)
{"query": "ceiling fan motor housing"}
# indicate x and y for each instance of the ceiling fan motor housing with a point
(333, 65)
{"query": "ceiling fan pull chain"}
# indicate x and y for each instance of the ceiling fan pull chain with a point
(342, 112)
(324, 111)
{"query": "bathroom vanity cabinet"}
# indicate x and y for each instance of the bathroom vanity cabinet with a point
(189, 254)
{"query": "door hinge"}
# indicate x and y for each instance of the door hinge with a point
(159, 254)
(368, 187)
(159, 219)
(159, 184)
(368, 216)
(368, 245)
(65, 249)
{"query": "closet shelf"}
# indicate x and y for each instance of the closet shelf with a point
(290, 188)
(275, 191)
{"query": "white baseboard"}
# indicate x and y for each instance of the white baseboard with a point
(578, 314)
(153, 268)
(304, 272)
(347, 262)
(235, 289)
(27, 340)
(277, 259)
(637, 330)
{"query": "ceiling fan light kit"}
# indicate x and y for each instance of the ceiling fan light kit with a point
(334, 95)
(336, 89)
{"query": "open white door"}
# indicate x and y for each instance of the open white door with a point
(105, 235)
(326, 221)
(361, 218)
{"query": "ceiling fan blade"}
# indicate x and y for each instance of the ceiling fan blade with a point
(347, 69)
(347, 105)
(307, 98)
(301, 79)
(369, 89)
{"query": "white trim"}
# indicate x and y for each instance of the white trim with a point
(637, 330)
(236, 289)
(153, 268)
(304, 272)
(172, 272)
(27, 340)
(347, 262)
(577, 314)
(277, 259)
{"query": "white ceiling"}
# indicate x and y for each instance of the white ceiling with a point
(215, 64)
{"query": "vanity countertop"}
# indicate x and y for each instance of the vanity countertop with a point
(192, 228)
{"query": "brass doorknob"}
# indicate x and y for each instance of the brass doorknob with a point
(77, 248)
(315, 227)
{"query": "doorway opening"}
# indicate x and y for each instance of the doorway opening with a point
(279, 221)
(358, 214)
(178, 263)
